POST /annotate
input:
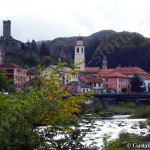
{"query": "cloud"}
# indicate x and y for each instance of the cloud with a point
(48, 19)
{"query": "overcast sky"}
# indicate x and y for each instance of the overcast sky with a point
(49, 19)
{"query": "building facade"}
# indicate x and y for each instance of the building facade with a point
(15, 72)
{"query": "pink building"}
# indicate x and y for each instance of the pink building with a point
(117, 81)
(15, 72)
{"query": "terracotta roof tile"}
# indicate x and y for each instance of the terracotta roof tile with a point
(32, 72)
(103, 72)
(131, 70)
(115, 74)
(92, 69)
(10, 65)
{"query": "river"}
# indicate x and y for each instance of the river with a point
(112, 126)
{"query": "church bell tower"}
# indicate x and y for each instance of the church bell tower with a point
(79, 53)
(104, 63)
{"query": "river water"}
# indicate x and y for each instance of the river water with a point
(112, 127)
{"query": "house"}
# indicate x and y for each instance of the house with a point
(117, 81)
(93, 81)
(146, 83)
(15, 72)
(31, 73)
(78, 86)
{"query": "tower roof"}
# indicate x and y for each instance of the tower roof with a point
(80, 38)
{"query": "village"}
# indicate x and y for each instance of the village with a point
(99, 79)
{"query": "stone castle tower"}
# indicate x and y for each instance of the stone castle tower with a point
(104, 63)
(7, 29)
(7, 42)
(79, 53)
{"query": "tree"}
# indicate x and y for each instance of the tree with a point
(44, 51)
(5, 83)
(137, 84)
(34, 50)
(45, 103)
(47, 60)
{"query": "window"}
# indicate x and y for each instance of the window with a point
(83, 90)
(82, 50)
(77, 50)
(94, 84)
(30, 77)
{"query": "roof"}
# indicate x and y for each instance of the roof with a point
(10, 65)
(83, 85)
(131, 70)
(79, 38)
(93, 80)
(73, 83)
(90, 79)
(105, 71)
(115, 74)
(32, 72)
(92, 69)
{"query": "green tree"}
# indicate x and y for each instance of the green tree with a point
(5, 83)
(47, 60)
(45, 103)
(34, 50)
(137, 84)
(44, 51)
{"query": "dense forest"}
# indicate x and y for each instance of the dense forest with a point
(125, 49)
(120, 49)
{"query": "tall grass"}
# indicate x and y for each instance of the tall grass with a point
(142, 112)
(121, 110)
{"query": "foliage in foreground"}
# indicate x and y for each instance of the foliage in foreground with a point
(5, 83)
(43, 104)
(120, 143)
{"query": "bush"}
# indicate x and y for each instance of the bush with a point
(120, 143)
(91, 108)
(121, 110)
(142, 124)
(142, 112)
